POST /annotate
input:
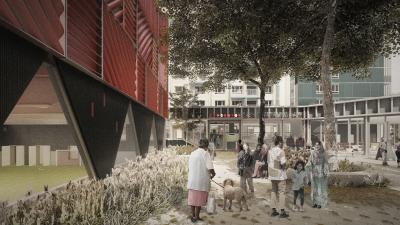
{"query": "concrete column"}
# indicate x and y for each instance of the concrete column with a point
(357, 133)
(320, 131)
(349, 132)
(367, 136)
(308, 131)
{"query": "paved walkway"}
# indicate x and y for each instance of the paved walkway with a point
(377, 206)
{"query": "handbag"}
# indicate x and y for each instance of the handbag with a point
(211, 205)
(274, 170)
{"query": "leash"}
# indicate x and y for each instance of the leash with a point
(217, 184)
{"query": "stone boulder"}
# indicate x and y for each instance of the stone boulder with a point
(355, 179)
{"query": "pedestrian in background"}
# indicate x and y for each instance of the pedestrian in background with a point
(383, 149)
(211, 150)
(246, 168)
(398, 155)
(318, 168)
(239, 146)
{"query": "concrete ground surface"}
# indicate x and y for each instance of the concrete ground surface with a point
(370, 205)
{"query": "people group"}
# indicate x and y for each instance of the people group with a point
(264, 161)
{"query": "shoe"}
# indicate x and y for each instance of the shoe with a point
(318, 206)
(295, 208)
(274, 213)
(283, 214)
(193, 219)
(301, 209)
(315, 206)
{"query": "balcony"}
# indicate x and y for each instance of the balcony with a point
(251, 91)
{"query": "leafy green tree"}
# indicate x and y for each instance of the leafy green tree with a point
(347, 36)
(229, 40)
(181, 101)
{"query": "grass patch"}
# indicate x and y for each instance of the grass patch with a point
(254, 220)
(17, 181)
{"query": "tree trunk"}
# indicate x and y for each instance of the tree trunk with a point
(325, 81)
(261, 135)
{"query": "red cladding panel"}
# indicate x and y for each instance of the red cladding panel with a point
(119, 56)
(141, 80)
(151, 13)
(130, 18)
(165, 103)
(84, 34)
(39, 18)
(145, 39)
(151, 91)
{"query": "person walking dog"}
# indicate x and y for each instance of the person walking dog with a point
(201, 170)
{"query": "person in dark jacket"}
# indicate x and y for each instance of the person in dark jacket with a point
(300, 143)
(290, 142)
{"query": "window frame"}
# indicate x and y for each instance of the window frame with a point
(250, 88)
(247, 102)
(241, 102)
(268, 90)
(220, 101)
(238, 88)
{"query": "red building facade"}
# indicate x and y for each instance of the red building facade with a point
(119, 41)
(107, 63)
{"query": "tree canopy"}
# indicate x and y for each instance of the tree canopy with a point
(363, 30)
(260, 40)
(228, 40)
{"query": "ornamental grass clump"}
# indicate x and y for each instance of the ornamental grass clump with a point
(130, 195)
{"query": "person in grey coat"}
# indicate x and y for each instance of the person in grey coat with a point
(246, 168)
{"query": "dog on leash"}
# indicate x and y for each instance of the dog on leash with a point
(231, 193)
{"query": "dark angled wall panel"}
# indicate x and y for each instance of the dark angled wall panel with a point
(100, 113)
(19, 61)
(143, 119)
(160, 126)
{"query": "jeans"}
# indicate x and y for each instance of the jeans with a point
(299, 193)
(243, 185)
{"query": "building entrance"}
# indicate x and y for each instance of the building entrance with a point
(224, 134)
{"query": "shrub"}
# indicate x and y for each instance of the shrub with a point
(130, 195)
(184, 150)
(347, 166)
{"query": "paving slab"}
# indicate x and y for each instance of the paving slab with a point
(346, 206)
